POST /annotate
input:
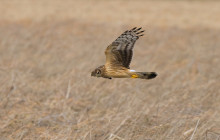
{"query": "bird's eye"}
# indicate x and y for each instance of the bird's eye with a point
(98, 72)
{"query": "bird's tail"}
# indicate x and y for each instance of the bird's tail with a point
(144, 75)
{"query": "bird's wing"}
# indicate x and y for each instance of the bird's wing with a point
(119, 53)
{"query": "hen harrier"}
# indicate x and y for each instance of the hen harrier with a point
(118, 58)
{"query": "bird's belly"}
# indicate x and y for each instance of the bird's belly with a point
(118, 74)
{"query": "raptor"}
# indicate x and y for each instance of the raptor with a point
(118, 58)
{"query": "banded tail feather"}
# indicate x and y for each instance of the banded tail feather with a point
(144, 75)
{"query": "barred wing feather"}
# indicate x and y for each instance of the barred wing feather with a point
(120, 52)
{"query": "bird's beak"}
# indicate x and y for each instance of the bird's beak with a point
(92, 74)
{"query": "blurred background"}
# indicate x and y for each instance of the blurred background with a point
(49, 48)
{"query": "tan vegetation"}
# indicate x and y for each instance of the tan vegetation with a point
(48, 49)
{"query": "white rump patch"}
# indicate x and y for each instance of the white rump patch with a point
(132, 70)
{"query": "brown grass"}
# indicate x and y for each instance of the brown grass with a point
(48, 49)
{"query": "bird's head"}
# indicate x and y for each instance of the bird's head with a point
(98, 72)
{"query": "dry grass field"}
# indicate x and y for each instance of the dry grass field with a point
(49, 48)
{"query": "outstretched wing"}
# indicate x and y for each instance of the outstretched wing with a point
(119, 53)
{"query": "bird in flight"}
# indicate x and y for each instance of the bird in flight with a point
(118, 58)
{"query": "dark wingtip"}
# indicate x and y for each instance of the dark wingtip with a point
(134, 28)
(141, 32)
(139, 29)
(141, 35)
